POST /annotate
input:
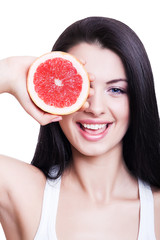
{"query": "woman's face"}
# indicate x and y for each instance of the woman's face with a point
(101, 127)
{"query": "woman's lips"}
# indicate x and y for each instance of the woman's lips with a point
(93, 131)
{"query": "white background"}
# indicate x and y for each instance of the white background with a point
(31, 27)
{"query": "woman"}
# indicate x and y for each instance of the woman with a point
(102, 163)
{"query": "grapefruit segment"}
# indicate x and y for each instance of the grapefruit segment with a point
(58, 83)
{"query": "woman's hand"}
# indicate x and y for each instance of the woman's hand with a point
(13, 74)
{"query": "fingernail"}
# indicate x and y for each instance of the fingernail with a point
(56, 119)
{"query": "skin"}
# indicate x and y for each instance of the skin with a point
(97, 189)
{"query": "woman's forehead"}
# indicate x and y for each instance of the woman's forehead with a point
(101, 62)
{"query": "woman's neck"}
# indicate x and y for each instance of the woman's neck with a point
(100, 177)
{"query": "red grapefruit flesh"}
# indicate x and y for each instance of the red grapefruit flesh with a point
(58, 83)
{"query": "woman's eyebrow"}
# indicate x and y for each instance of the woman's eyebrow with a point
(117, 80)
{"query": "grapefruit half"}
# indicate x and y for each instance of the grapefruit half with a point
(58, 83)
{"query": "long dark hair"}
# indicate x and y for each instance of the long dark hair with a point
(141, 144)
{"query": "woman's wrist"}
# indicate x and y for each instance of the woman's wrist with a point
(4, 75)
(13, 72)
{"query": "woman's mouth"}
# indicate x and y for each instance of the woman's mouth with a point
(93, 131)
(93, 128)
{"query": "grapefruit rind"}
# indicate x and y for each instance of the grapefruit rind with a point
(80, 70)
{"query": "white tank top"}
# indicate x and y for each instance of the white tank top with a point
(47, 227)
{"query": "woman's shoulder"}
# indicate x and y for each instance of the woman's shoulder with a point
(16, 174)
(156, 195)
(21, 196)
(14, 169)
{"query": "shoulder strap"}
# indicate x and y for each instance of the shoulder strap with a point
(47, 225)
(146, 229)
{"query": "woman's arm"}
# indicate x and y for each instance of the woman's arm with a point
(13, 73)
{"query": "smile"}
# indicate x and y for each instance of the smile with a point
(93, 126)
(93, 131)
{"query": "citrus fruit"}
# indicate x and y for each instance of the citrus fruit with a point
(58, 83)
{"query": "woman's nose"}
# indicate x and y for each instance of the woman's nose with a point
(97, 104)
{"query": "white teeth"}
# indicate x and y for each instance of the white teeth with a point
(94, 126)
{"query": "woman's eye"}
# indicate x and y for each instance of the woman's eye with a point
(116, 91)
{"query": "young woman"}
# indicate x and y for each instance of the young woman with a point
(96, 172)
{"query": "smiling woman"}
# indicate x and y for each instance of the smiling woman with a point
(105, 121)
(97, 164)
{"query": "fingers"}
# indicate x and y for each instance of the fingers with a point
(91, 77)
(82, 61)
(85, 105)
(42, 117)
(91, 92)
(39, 115)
